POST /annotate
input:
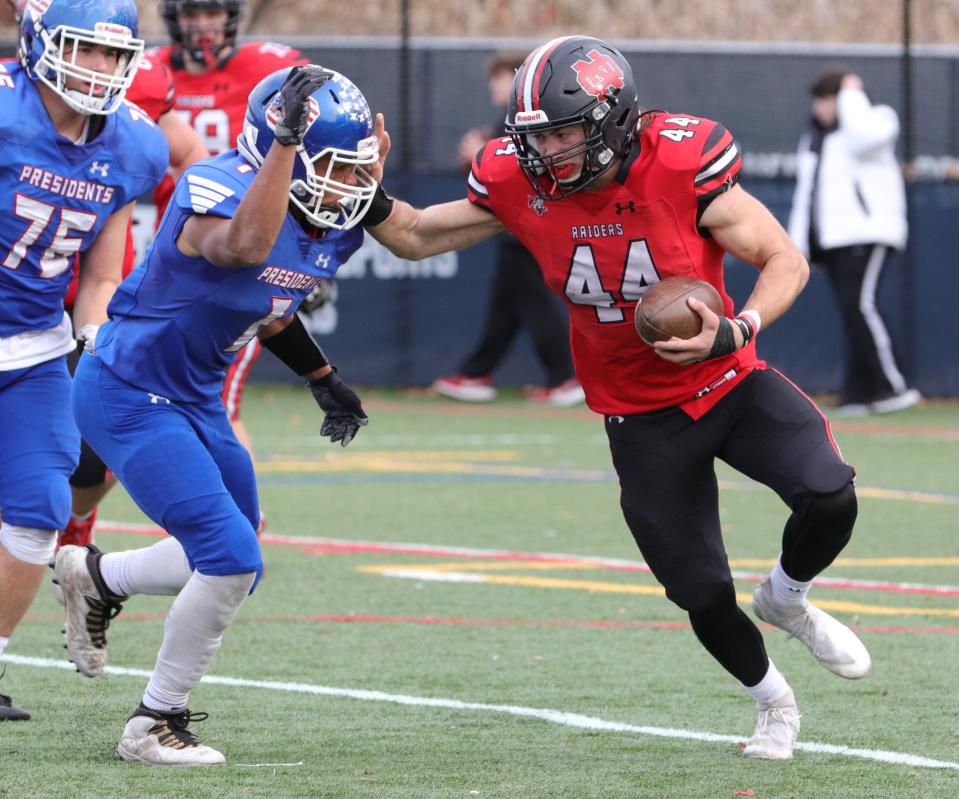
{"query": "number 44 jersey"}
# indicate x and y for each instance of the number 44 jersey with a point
(600, 251)
(55, 196)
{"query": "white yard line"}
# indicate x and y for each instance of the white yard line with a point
(566, 719)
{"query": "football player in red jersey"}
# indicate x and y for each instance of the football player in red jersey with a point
(611, 199)
(152, 91)
(214, 76)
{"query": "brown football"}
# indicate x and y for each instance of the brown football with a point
(663, 313)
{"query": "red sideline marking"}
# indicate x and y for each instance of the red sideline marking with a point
(601, 624)
(331, 546)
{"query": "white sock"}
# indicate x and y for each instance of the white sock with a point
(786, 590)
(770, 688)
(159, 570)
(192, 635)
(3, 643)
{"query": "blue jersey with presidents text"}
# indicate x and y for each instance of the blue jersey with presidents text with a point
(177, 322)
(55, 196)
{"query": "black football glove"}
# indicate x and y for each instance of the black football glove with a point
(324, 292)
(343, 409)
(294, 106)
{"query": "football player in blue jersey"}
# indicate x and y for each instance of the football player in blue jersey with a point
(248, 235)
(75, 158)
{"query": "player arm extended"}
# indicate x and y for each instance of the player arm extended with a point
(245, 240)
(745, 228)
(100, 270)
(416, 233)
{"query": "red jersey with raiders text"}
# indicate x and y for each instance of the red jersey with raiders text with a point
(600, 251)
(151, 90)
(214, 102)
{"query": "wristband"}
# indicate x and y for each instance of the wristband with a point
(327, 381)
(725, 342)
(745, 328)
(381, 206)
(753, 318)
(295, 347)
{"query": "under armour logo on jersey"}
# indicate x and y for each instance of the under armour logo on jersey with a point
(206, 193)
(156, 399)
(626, 206)
(537, 204)
(323, 260)
(97, 168)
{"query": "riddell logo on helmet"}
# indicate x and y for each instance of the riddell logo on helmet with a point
(530, 117)
(111, 28)
(599, 74)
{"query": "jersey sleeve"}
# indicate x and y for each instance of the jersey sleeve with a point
(152, 87)
(476, 190)
(720, 164)
(209, 190)
(141, 150)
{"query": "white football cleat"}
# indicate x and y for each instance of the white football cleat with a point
(162, 739)
(776, 729)
(831, 642)
(89, 606)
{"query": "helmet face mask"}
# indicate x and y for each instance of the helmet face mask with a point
(56, 34)
(573, 80)
(332, 186)
(195, 40)
(323, 197)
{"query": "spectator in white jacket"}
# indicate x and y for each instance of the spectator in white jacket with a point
(848, 215)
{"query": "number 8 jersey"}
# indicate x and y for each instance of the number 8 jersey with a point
(55, 196)
(600, 251)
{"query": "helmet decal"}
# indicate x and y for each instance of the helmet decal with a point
(598, 74)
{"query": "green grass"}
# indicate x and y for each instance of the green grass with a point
(508, 477)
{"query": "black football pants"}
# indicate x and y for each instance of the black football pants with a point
(770, 431)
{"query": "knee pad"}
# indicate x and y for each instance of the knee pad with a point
(834, 512)
(29, 544)
(91, 471)
(227, 592)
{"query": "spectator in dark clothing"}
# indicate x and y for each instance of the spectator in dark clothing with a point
(519, 297)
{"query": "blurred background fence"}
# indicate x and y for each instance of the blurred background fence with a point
(747, 63)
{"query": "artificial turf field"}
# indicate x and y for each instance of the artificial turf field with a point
(453, 607)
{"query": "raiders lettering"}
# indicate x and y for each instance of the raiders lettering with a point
(596, 231)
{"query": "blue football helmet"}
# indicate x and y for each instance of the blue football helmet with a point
(340, 131)
(54, 32)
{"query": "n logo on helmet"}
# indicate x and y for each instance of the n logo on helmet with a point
(599, 74)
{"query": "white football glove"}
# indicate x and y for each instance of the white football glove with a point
(87, 335)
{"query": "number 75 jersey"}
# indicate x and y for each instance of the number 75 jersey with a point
(55, 196)
(601, 250)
